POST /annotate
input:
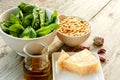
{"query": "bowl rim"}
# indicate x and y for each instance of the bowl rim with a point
(30, 39)
(77, 36)
(74, 36)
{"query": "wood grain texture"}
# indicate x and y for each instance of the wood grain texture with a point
(108, 23)
(104, 18)
(83, 8)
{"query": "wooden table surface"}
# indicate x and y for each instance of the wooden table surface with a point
(104, 16)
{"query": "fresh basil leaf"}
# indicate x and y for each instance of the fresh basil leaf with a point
(36, 25)
(14, 34)
(19, 15)
(29, 32)
(46, 17)
(7, 23)
(26, 8)
(47, 29)
(53, 18)
(43, 33)
(22, 5)
(13, 18)
(27, 20)
(42, 16)
(47, 23)
(16, 28)
(26, 37)
(35, 21)
(5, 29)
(39, 18)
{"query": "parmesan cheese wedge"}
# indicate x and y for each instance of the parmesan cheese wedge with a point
(81, 63)
(62, 57)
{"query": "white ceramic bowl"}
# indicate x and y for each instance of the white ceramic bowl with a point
(73, 41)
(17, 44)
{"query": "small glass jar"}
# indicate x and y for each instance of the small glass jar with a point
(36, 64)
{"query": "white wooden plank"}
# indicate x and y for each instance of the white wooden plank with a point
(83, 8)
(11, 66)
(106, 24)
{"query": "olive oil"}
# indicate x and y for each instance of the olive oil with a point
(37, 70)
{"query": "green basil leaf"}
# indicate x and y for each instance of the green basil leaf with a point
(29, 32)
(14, 34)
(42, 16)
(27, 20)
(13, 18)
(5, 29)
(47, 29)
(26, 8)
(53, 18)
(35, 21)
(17, 29)
(46, 17)
(7, 23)
(19, 15)
(26, 37)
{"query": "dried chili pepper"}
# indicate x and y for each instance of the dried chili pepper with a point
(102, 59)
(100, 51)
